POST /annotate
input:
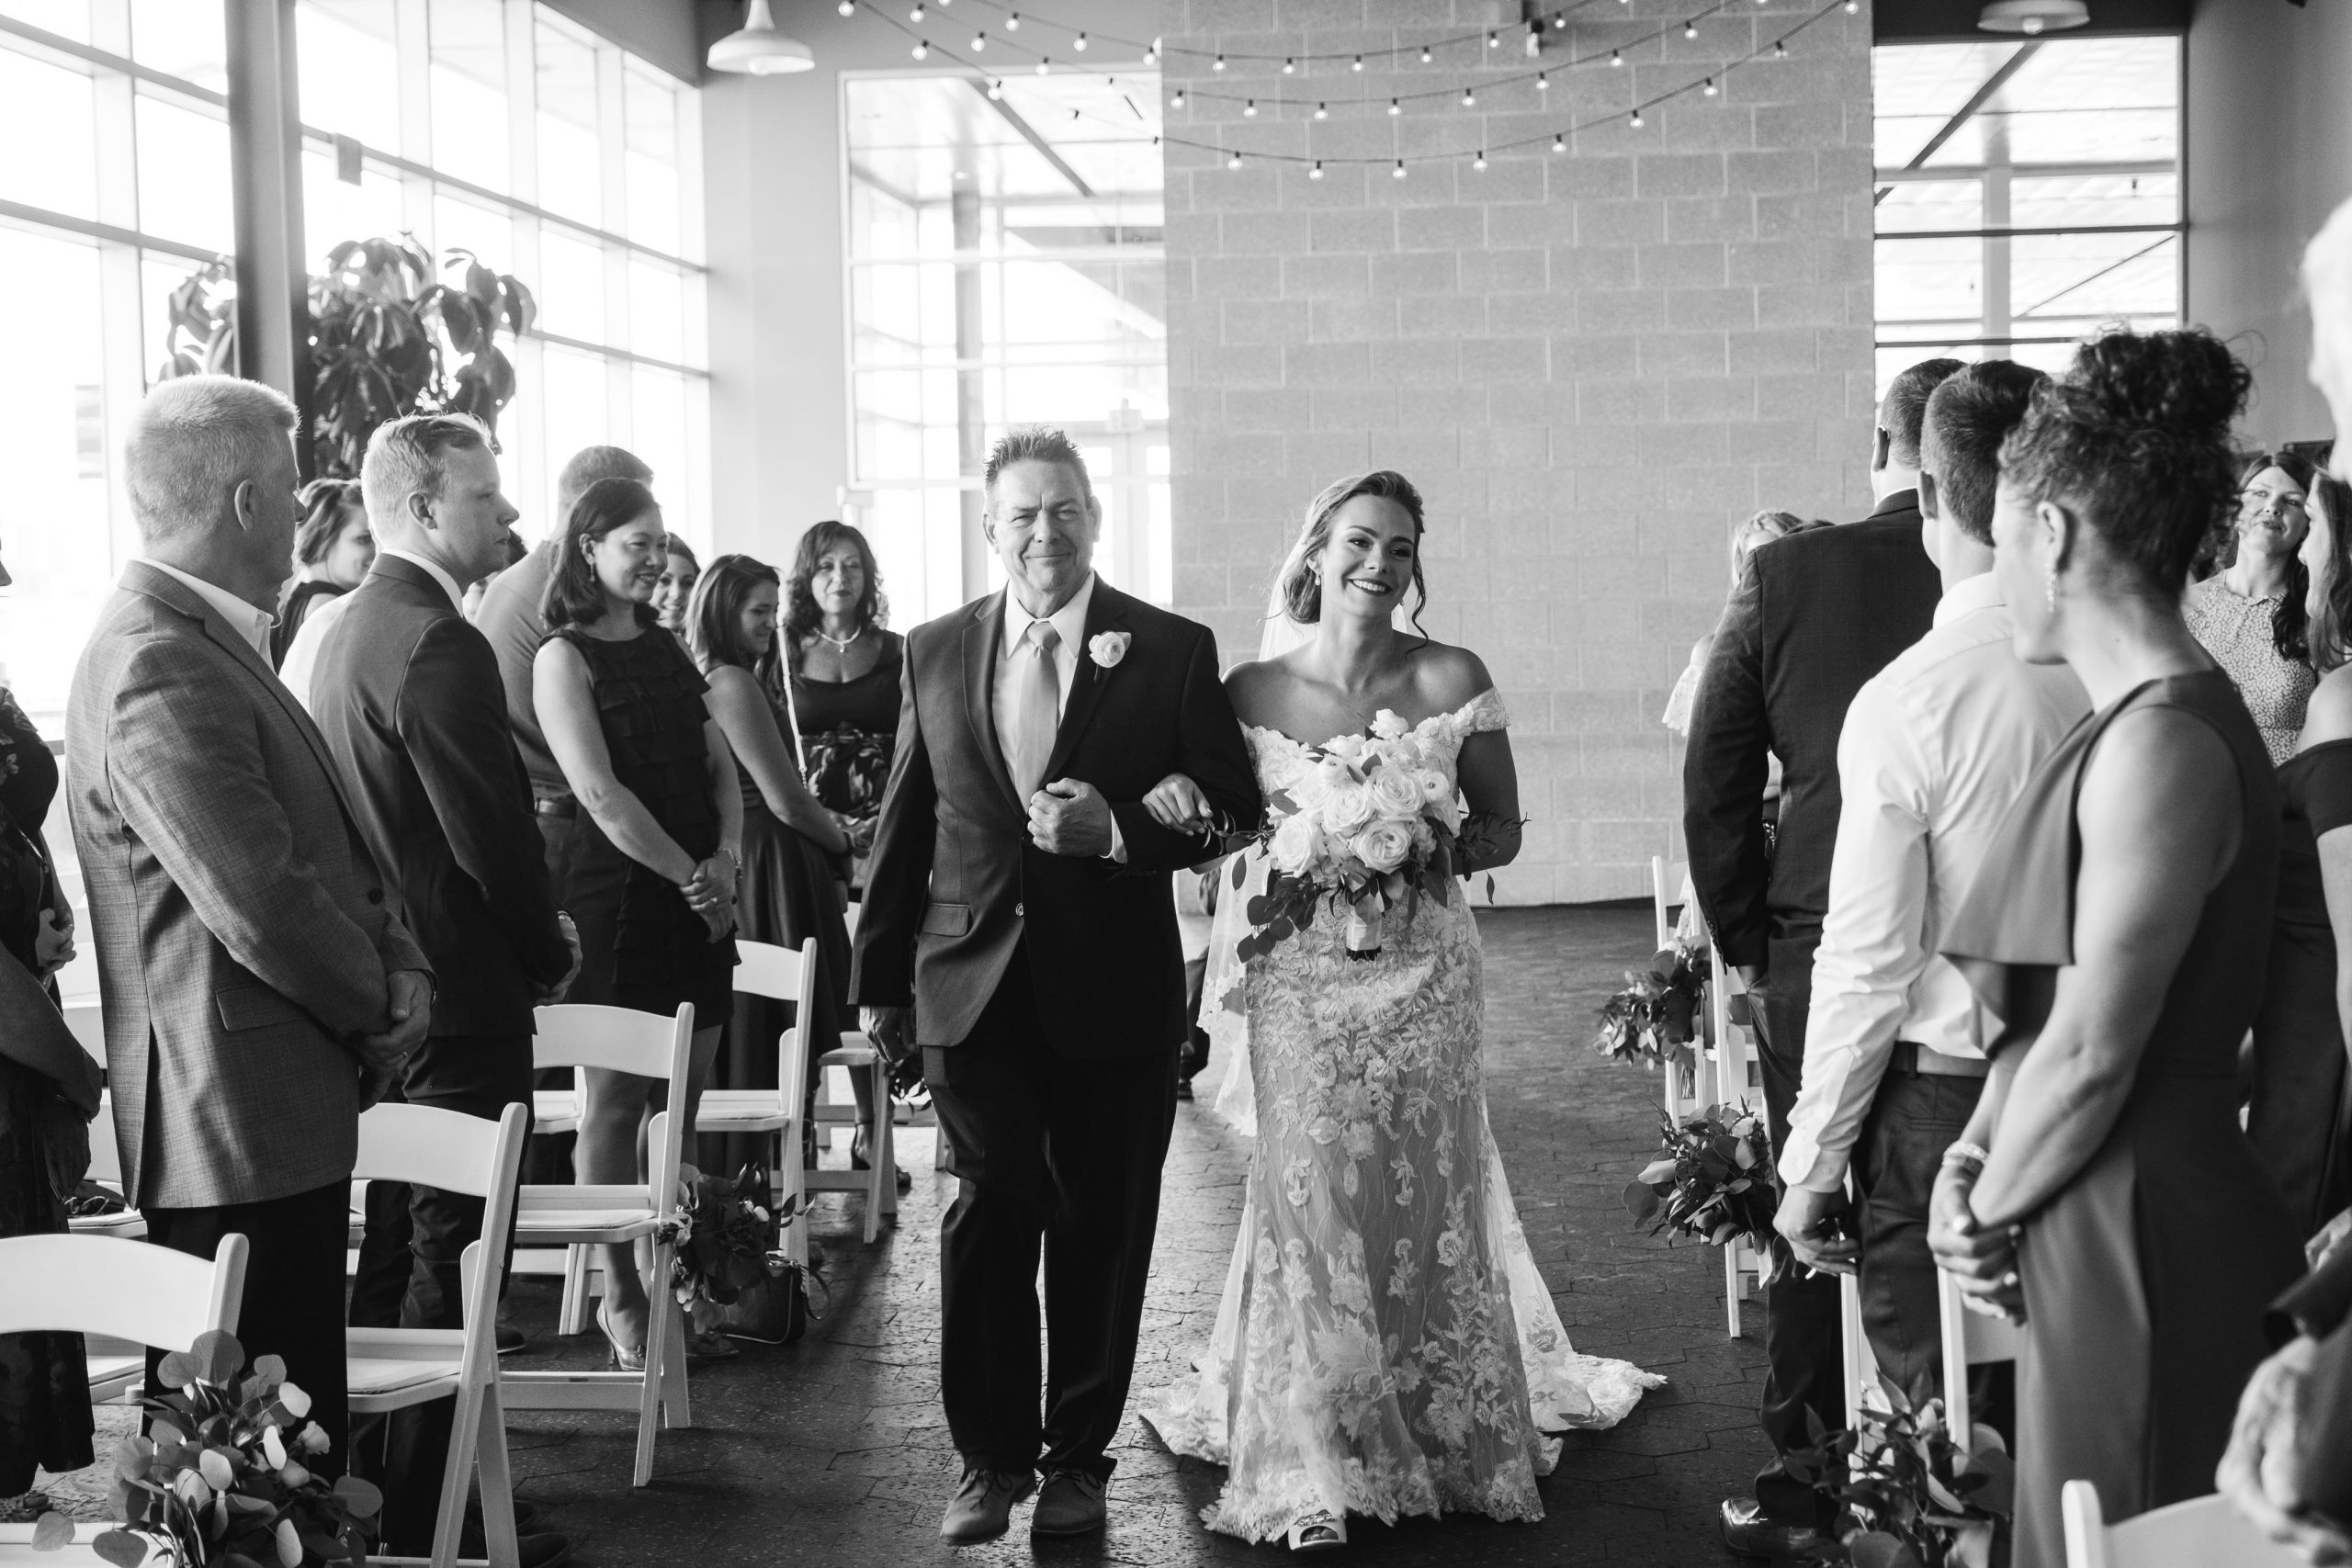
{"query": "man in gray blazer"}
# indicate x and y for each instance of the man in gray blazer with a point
(259, 991)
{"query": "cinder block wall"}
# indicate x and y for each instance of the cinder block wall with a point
(1592, 363)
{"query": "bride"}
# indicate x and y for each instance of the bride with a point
(1384, 1346)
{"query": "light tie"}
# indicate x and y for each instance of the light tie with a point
(1036, 709)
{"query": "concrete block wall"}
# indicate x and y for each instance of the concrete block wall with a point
(1593, 363)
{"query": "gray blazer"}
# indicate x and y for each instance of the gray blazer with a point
(242, 931)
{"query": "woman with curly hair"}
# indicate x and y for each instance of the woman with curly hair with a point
(333, 550)
(2250, 615)
(2119, 926)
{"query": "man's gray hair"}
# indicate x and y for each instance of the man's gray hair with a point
(587, 466)
(192, 441)
(1034, 444)
(406, 456)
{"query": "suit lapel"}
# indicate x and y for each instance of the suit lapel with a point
(1105, 612)
(983, 635)
(169, 590)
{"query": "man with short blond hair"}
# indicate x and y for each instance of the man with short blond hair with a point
(259, 986)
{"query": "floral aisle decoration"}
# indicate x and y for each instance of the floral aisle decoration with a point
(219, 1481)
(727, 1235)
(1711, 1179)
(1656, 1019)
(1373, 823)
(1908, 1494)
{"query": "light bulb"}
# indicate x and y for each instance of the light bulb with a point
(980, 43)
(1290, 67)
(915, 15)
(1178, 101)
(1398, 172)
(1316, 172)
(921, 49)
(1079, 42)
(1425, 54)
(1395, 108)
(1781, 49)
(1711, 87)
(1012, 22)
(1615, 58)
(1492, 40)
(847, 7)
(1543, 80)
(1359, 64)
(1559, 142)
(1559, 19)
(1322, 111)
(996, 90)
(1690, 29)
(1479, 163)
(1250, 108)
(1234, 162)
(1637, 119)
(1218, 64)
(1468, 97)
(1044, 64)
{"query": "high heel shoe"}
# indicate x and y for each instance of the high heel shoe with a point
(1316, 1532)
(624, 1359)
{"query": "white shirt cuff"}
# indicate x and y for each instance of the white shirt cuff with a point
(1118, 849)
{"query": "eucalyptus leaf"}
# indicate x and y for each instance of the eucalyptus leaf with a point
(52, 1532)
(120, 1548)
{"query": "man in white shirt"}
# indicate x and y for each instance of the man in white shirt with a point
(1935, 749)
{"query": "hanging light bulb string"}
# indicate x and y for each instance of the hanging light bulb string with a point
(1482, 35)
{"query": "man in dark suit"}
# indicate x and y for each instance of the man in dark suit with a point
(1816, 616)
(260, 988)
(1020, 900)
(408, 697)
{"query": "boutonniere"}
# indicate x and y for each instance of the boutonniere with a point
(1107, 649)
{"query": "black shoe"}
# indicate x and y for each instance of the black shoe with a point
(1183, 1088)
(1070, 1503)
(511, 1337)
(528, 1517)
(1749, 1532)
(982, 1507)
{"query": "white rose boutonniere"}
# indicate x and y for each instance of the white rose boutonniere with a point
(1107, 649)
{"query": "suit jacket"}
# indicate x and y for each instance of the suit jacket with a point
(1815, 616)
(244, 935)
(408, 697)
(956, 885)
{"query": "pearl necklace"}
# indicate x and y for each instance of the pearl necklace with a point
(841, 645)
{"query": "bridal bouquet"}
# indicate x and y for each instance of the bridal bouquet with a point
(220, 1478)
(1372, 823)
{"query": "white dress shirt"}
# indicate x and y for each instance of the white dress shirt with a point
(247, 622)
(1070, 625)
(302, 653)
(1935, 749)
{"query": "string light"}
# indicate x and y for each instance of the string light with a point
(1781, 49)
(847, 7)
(1711, 87)
(1425, 54)
(1560, 19)
(980, 43)
(1398, 172)
(1079, 42)
(1316, 172)
(1637, 119)
(1290, 67)
(1220, 63)
(922, 48)
(1234, 162)
(1178, 101)
(1044, 64)
(1358, 63)
(1493, 42)
(915, 15)
(1469, 98)
(1396, 108)
(1249, 109)
(1559, 142)
(1543, 80)
(1479, 163)
(1012, 22)
(1690, 29)
(1322, 111)
(1852, 6)
(1615, 58)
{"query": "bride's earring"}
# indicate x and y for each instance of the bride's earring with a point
(2050, 588)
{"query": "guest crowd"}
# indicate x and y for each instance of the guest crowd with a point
(2022, 806)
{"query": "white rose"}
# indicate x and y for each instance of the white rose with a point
(1434, 784)
(1396, 793)
(1347, 808)
(1293, 845)
(1389, 726)
(1382, 846)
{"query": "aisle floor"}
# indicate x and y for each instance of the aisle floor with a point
(835, 1450)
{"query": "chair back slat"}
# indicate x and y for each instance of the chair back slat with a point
(105, 1155)
(123, 1289)
(434, 1148)
(620, 1040)
(2199, 1533)
(764, 969)
(1665, 892)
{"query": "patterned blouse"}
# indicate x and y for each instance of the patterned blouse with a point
(2236, 631)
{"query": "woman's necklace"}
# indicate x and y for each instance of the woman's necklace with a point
(841, 644)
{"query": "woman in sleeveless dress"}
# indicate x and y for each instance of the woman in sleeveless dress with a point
(2103, 1191)
(1384, 1346)
(648, 872)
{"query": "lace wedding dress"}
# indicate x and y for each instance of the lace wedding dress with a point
(1385, 1345)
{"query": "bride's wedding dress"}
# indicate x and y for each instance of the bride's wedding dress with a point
(1385, 1345)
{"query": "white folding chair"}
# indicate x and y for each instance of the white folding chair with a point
(125, 1291)
(859, 1054)
(2204, 1532)
(619, 1214)
(1666, 890)
(785, 975)
(106, 1170)
(1743, 1265)
(392, 1369)
(1967, 1340)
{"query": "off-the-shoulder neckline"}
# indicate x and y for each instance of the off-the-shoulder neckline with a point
(1488, 695)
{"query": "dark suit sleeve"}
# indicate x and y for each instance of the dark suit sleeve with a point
(452, 719)
(1210, 752)
(897, 879)
(1723, 774)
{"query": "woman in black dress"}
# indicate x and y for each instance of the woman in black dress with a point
(648, 874)
(795, 856)
(2118, 926)
(844, 670)
(49, 1092)
(2301, 1121)
(333, 550)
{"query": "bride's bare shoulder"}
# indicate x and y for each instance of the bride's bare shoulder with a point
(1447, 677)
(1256, 688)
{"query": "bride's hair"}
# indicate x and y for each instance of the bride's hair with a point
(1302, 589)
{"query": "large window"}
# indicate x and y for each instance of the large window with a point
(2028, 193)
(1006, 267)
(495, 125)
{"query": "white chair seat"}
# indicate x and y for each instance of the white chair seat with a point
(130, 1224)
(740, 1110)
(855, 1051)
(374, 1378)
(584, 1228)
(555, 1110)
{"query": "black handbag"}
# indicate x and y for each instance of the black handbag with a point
(774, 1310)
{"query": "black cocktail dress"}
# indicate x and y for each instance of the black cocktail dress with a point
(2300, 1122)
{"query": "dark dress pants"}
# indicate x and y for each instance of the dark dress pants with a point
(293, 1300)
(1912, 1120)
(1803, 1355)
(1063, 1151)
(408, 1275)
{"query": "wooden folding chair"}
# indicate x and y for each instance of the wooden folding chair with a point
(578, 1217)
(787, 975)
(125, 1291)
(2204, 1532)
(392, 1369)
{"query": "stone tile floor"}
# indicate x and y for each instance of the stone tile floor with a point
(834, 1452)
